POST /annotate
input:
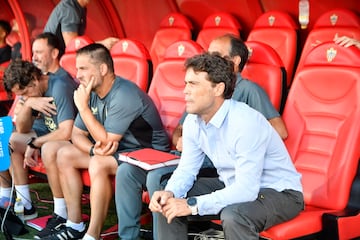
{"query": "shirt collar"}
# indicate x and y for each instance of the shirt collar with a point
(219, 116)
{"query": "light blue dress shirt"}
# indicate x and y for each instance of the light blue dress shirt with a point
(246, 151)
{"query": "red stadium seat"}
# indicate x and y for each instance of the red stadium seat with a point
(132, 61)
(216, 25)
(167, 85)
(341, 22)
(322, 115)
(174, 27)
(265, 67)
(67, 61)
(278, 30)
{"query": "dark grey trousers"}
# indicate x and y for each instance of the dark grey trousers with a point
(241, 220)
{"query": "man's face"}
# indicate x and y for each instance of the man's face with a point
(43, 55)
(86, 70)
(199, 93)
(221, 46)
(31, 90)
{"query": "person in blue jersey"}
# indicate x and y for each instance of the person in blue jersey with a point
(245, 91)
(114, 116)
(258, 185)
(45, 111)
(68, 20)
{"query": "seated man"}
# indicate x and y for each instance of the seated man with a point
(114, 116)
(257, 186)
(45, 112)
(245, 91)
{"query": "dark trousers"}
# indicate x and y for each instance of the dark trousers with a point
(241, 220)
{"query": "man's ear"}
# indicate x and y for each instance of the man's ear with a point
(236, 60)
(219, 89)
(55, 53)
(103, 69)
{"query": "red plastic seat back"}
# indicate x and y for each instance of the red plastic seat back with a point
(132, 61)
(12, 38)
(216, 25)
(341, 22)
(278, 30)
(174, 27)
(322, 115)
(265, 67)
(339, 17)
(167, 85)
(67, 61)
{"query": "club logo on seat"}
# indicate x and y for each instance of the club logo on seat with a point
(181, 50)
(271, 20)
(333, 19)
(124, 45)
(250, 50)
(331, 54)
(171, 20)
(217, 20)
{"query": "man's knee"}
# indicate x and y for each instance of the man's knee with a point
(238, 214)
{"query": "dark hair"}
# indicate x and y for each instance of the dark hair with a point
(237, 48)
(52, 40)
(6, 26)
(20, 72)
(218, 69)
(98, 54)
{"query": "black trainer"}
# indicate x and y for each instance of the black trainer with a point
(64, 233)
(30, 213)
(52, 223)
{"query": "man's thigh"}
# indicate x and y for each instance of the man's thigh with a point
(270, 208)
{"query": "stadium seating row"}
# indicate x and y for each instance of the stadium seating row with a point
(276, 29)
(321, 111)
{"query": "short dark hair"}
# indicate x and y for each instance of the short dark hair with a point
(98, 53)
(6, 26)
(219, 70)
(52, 40)
(20, 72)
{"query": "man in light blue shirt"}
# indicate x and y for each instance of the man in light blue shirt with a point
(257, 186)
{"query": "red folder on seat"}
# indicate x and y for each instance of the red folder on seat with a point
(149, 158)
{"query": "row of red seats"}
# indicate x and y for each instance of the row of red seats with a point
(132, 61)
(274, 28)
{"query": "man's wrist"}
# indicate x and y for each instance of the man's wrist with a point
(31, 144)
(192, 204)
(91, 152)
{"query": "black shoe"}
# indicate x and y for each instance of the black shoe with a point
(30, 213)
(52, 223)
(64, 233)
